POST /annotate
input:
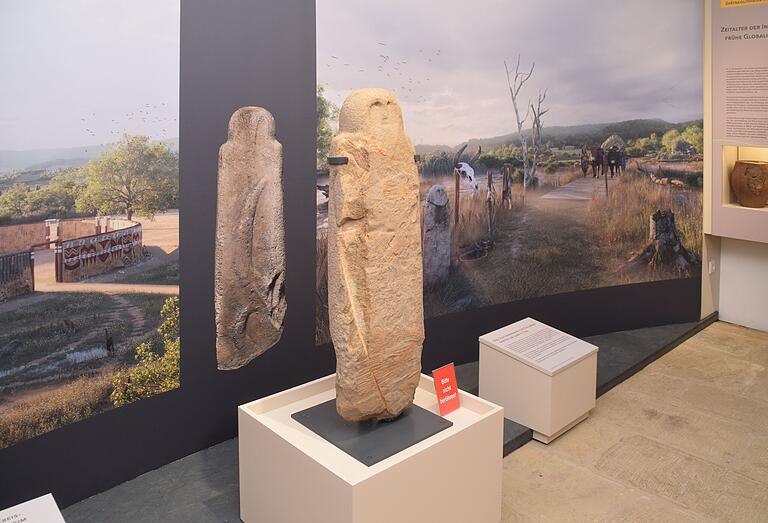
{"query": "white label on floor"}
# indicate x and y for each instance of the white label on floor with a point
(38, 510)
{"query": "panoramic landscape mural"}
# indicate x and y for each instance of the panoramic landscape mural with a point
(556, 167)
(89, 221)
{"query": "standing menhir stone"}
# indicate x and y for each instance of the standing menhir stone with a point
(250, 246)
(374, 260)
(437, 237)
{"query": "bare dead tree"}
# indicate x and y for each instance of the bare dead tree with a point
(515, 82)
(456, 208)
(537, 112)
(490, 200)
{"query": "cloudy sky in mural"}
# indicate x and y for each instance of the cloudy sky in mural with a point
(601, 60)
(99, 79)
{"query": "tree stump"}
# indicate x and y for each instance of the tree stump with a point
(664, 251)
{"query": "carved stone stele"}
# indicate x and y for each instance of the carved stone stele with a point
(250, 240)
(374, 260)
(437, 237)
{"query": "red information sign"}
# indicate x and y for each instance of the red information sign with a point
(446, 389)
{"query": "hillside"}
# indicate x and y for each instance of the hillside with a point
(574, 135)
(58, 158)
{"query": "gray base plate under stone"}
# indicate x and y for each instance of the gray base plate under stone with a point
(371, 442)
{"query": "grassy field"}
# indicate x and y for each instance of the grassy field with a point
(149, 305)
(542, 249)
(54, 366)
(63, 321)
(74, 401)
(621, 221)
(547, 246)
(166, 274)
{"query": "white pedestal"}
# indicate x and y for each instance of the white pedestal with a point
(547, 384)
(290, 474)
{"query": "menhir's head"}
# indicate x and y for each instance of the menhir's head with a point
(373, 111)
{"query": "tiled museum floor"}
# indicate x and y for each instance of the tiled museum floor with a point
(685, 439)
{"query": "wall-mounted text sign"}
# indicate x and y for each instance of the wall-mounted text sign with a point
(740, 73)
(741, 3)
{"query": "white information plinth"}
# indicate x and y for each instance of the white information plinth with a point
(290, 474)
(544, 378)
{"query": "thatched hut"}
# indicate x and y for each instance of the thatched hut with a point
(614, 140)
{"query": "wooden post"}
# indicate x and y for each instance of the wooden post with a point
(506, 186)
(490, 203)
(32, 268)
(456, 214)
(58, 261)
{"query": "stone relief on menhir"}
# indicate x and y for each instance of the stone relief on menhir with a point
(250, 240)
(374, 260)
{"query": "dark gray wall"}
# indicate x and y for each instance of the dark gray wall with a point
(249, 52)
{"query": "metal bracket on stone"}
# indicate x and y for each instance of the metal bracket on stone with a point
(344, 160)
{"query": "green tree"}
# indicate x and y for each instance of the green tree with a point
(15, 201)
(669, 139)
(694, 135)
(683, 147)
(507, 153)
(437, 163)
(157, 367)
(137, 176)
(59, 197)
(327, 113)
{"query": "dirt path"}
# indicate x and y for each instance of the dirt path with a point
(113, 289)
(124, 307)
(121, 317)
(118, 288)
(544, 248)
(581, 189)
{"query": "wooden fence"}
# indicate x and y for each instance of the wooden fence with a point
(17, 274)
(91, 255)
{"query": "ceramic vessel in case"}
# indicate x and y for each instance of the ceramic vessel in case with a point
(749, 181)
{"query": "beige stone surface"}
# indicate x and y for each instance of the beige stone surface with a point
(683, 440)
(250, 244)
(374, 260)
(695, 483)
